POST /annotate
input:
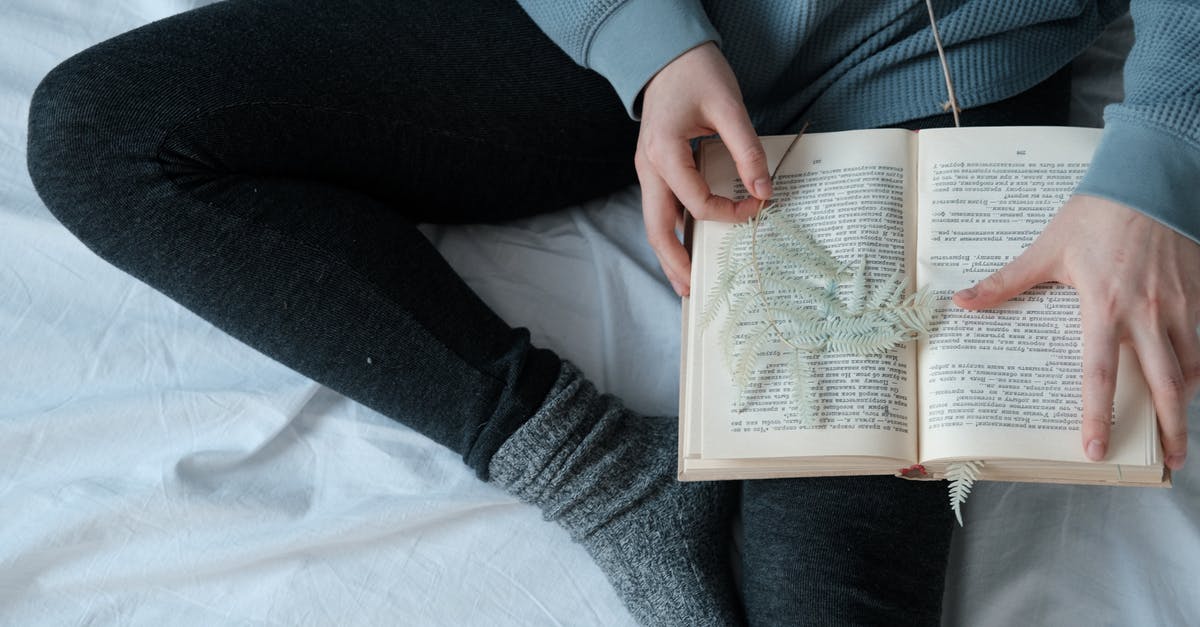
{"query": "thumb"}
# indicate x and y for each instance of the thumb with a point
(733, 125)
(1020, 274)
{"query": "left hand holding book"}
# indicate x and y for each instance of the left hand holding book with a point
(693, 96)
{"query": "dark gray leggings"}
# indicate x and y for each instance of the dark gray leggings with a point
(264, 163)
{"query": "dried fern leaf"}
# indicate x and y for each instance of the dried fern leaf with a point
(831, 305)
(897, 295)
(858, 295)
(729, 270)
(746, 354)
(777, 284)
(718, 296)
(915, 318)
(797, 289)
(777, 252)
(803, 383)
(962, 476)
(866, 344)
(742, 311)
(803, 243)
(884, 290)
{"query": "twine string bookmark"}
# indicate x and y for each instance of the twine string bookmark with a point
(952, 103)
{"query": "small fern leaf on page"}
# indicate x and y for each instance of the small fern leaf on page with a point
(882, 340)
(803, 246)
(746, 355)
(803, 382)
(885, 289)
(961, 476)
(915, 314)
(776, 286)
(796, 289)
(728, 272)
(858, 296)
(897, 295)
(743, 307)
(774, 251)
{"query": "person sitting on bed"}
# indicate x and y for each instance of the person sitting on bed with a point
(264, 163)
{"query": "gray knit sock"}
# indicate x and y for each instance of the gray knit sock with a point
(607, 475)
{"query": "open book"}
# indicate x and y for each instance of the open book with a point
(946, 207)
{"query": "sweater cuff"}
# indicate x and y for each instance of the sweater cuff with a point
(1148, 169)
(640, 37)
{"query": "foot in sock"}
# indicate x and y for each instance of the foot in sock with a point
(607, 475)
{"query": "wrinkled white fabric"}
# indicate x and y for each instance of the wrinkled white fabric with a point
(154, 471)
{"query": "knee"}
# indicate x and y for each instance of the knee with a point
(49, 155)
(90, 144)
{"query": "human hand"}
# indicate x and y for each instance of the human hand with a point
(693, 96)
(1138, 283)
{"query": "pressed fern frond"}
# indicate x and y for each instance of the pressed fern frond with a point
(802, 387)
(858, 299)
(802, 245)
(726, 276)
(745, 356)
(880, 341)
(744, 309)
(884, 290)
(831, 306)
(795, 299)
(961, 476)
(796, 288)
(774, 249)
(778, 287)
(915, 314)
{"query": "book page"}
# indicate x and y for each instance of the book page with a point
(849, 191)
(1007, 382)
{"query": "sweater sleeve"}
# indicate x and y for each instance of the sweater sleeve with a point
(1149, 155)
(626, 41)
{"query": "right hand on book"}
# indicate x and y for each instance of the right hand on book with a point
(693, 96)
(1138, 285)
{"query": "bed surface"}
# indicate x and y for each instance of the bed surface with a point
(155, 471)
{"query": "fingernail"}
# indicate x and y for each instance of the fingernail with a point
(966, 294)
(1175, 462)
(762, 189)
(1095, 450)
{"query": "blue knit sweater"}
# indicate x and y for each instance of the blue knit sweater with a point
(867, 63)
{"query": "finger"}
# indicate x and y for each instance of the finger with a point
(1166, 381)
(1027, 270)
(659, 211)
(671, 278)
(733, 125)
(1186, 342)
(678, 169)
(1101, 346)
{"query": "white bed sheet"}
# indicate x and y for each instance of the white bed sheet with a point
(154, 471)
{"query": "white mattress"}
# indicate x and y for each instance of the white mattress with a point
(154, 471)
